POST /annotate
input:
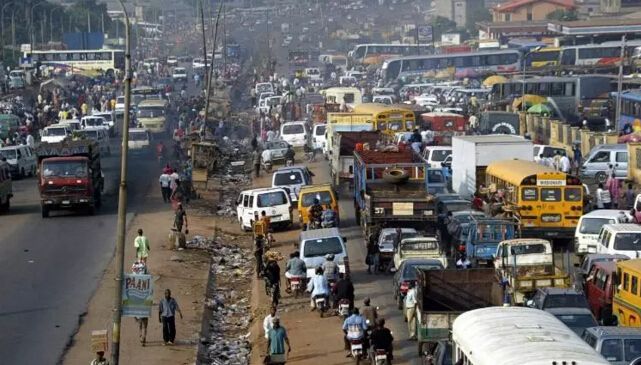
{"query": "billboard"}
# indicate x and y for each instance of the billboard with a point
(137, 295)
(424, 33)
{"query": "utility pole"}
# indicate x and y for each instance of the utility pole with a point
(122, 202)
(202, 25)
(620, 85)
(208, 91)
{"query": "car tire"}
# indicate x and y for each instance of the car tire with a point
(45, 212)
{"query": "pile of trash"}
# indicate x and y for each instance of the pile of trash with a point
(227, 338)
(231, 186)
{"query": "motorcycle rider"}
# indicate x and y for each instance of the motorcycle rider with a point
(381, 339)
(315, 213)
(369, 313)
(328, 218)
(344, 289)
(354, 328)
(330, 268)
(318, 286)
(295, 268)
(289, 155)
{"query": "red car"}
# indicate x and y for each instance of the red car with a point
(599, 289)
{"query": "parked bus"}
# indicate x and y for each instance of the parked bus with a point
(373, 53)
(547, 203)
(626, 304)
(105, 60)
(605, 54)
(571, 96)
(464, 64)
(543, 57)
(6, 191)
(388, 119)
(146, 93)
(517, 335)
(630, 107)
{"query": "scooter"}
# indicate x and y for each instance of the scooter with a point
(343, 308)
(356, 348)
(296, 286)
(379, 357)
(321, 305)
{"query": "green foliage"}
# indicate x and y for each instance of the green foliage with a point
(97, 12)
(563, 15)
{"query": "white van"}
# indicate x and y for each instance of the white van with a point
(292, 179)
(274, 201)
(101, 136)
(74, 124)
(624, 239)
(590, 224)
(94, 122)
(318, 137)
(55, 133)
(139, 140)
(294, 133)
(315, 244)
(21, 160)
(434, 156)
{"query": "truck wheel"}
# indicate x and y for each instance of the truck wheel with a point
(45, 212)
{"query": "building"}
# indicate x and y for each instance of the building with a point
(459, 11)
(529, 10)
(504, 31)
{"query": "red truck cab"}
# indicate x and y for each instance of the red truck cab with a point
(599, 286)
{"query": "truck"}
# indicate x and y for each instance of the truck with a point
(69, 176)
(342, 156)
(526, 264)
(442, 295)
(344, 122)
(484, 235)
(472, 154)
(391, 189)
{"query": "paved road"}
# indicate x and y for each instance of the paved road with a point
(50, 267)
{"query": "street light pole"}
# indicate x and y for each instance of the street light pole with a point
(617, 114)
(31, 27)
(122, 201)
(2, 21)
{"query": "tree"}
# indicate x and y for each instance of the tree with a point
(85, 13)
(482, 15)
(562, 14)
(442, 25)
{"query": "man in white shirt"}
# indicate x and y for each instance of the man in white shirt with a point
(410, 310)
(268, 322)
(565, 164)
(271, 135)
(165, 186)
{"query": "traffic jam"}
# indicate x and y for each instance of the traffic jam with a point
(384, 182)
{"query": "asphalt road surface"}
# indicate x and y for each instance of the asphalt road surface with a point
(50, 267)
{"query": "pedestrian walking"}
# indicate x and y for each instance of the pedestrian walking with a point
(410, 314)
(630, 197)
(165, 189)
(142, 322)
(167, 309)
(577, 157)
(180, 218)
(603, 198)
(613, 186)
(177, 194)
(276, 340)
(141, 243)
(100, 359)
(256, 160)
(268, 322)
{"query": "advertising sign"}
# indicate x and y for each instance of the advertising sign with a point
(137, 295)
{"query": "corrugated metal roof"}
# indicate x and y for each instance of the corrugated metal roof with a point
(492, 138)
(512, 5)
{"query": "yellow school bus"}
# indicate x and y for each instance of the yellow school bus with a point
(548, 56)
(626, 304)
(387, 119)
(547, 203)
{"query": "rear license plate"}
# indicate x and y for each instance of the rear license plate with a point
(66, 202)
(357, 347)
(381, 357)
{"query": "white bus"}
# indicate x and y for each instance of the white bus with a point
(105, 60)
(473, 64)
(517, 335)
(370, 52)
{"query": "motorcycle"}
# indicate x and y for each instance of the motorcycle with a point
(314, 224)
(379, 357)
(356, 349)
(321, 305)
(295, 283)
(343, 308)
(328, 220)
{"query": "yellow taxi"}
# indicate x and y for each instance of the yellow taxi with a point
(323, 192)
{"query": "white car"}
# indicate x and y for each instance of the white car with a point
(294, 133)
(21, 160)
(101, 136)
(318, 137)
(120, 105)
(55, 133)
(179, 74)
(139, 140)
(198, 63)
(109, 119)
(92, 121)
(274, 202)
(172, 61)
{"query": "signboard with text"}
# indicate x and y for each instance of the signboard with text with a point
(424, 33)
(137, 295)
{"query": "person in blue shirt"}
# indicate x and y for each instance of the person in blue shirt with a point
(354, 328)
(318, 286)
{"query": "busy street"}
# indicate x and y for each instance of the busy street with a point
(320, 182)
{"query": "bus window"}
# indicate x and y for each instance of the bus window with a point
(569, 89)
(529, 194)
(572, 194)
(550, 194)
(556, 89)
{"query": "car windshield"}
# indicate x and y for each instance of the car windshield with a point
(288, 178)
(91, 134)
(322, 246)
(94, 122)
(293, 129)
(64, 168)
(409, 273)
(627, 241)
(138, 136)
(593, 225)
(577, 320)
(565, 301)
(390, 237)
(323, 197)
(56, 132)
(440, 155)
(8, 154)
(272, 199)
(527, 249)
(150, 112)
